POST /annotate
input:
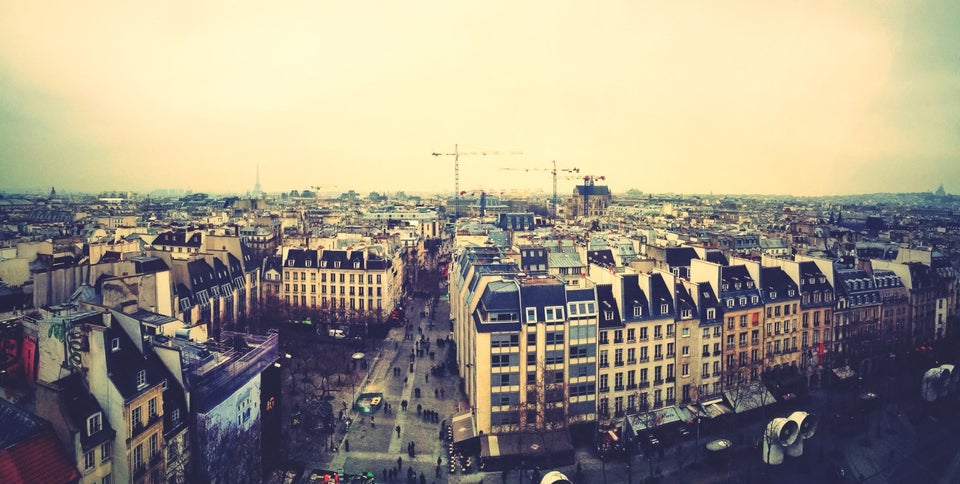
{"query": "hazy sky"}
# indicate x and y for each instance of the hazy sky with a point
(798, 97)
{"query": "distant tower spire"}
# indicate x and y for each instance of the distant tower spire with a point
(53, 191)
(256, 187)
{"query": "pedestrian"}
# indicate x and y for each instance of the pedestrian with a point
(384, 473)
(436, 392)
(419, 409)
(442, 392)
(426, 377)
(437, 473)
(398, 431)
(346, 445)
(399, 463)
(423, 479)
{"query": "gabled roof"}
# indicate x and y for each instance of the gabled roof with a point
(125, 363)
(29, 450)
(777, 285)
(601, 257)
(717, 257)
(540, 293)
(679, 256)
(608, 313)
(179, 239)
(660, 294)
(79, 404)
(633, 296)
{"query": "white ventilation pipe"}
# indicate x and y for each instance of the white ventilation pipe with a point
(807, 424)
(780, 433)
(930, 386)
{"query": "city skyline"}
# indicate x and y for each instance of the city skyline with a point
(743, 97)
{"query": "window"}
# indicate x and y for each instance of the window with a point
(141, 379)
(711, 313)
(89, 460)
(138, 457)
(685, 332)
(152, 408)
(154, 447)
(105, 449)
(115, 344)
(531, 315)
(94, 423)
(135, 417)
(664, 308)
(631, 335)
(637, 311)
(106, 480)
(685, 350)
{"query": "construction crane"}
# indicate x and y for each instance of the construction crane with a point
(483, 199)
(456, 168)
(553, 172)
(588, 182)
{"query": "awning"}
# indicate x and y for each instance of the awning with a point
(844, 373)
(657, 418)
(528, 444)
(462, 426)
(747, 397)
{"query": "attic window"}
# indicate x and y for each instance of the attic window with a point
(664, 308)
(773, 294)
(637, 311)
(141, 379)
(356, 265)
(323, 263)
(608, 315)
(289, 262)
(711, 313)
(730, 302)
(115, 344)
(94, 423)
(749, 284)
(736, 285)
(309, 263)
(336, 265)
(790, 292)
(754, 299)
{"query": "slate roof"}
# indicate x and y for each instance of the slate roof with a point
(609, 314)
(78, 404)
(733, 276)
(717, 257)
(601, 257)
(685, 301)
(125, 363)
(632, 296)
(777, 285)
(857, 286)
(29, 450)
(660, 294)
(679, 256)
(149, 264)
(304, 258)
(179, 239)
(564, 259)
(813, 280)
(539, 293)
(591, 190)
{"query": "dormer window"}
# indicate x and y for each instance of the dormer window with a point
(726, 286)
(289, 262)
(141, 379)
(749, 284)
(711, 313)
(743, 301)
(755, 299)
(323, 263)
(309, 263)
(94, 423)
(730, 302)
(115, 344)
(637, 311)
(356, 265)
(336, 265)
(773, 294)
(790, 292)
(736, 285)
(685, 314)
(608, 315)
(664, 308)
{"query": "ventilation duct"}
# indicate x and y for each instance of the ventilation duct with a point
(808, 426)
(780, 433)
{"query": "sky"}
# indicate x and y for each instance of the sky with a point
(773, 97)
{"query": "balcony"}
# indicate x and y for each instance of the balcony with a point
(618, 363)
(618, 388)
(671, 401)
(705, 354)
(631, 386)
(657, 357)
(631, 361)
(139, 469)
(644, 339)
(631, 340)
(717, 352)
(604, 341)
(617, 341)
(658, 382)
(731, 346)
(743, 344)
(644, 359)
(657, 336)
(644, 384)
(671, 355)
(755, 342)
(604, 389)
(618, 414)
(604, 364)
(671, 379)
